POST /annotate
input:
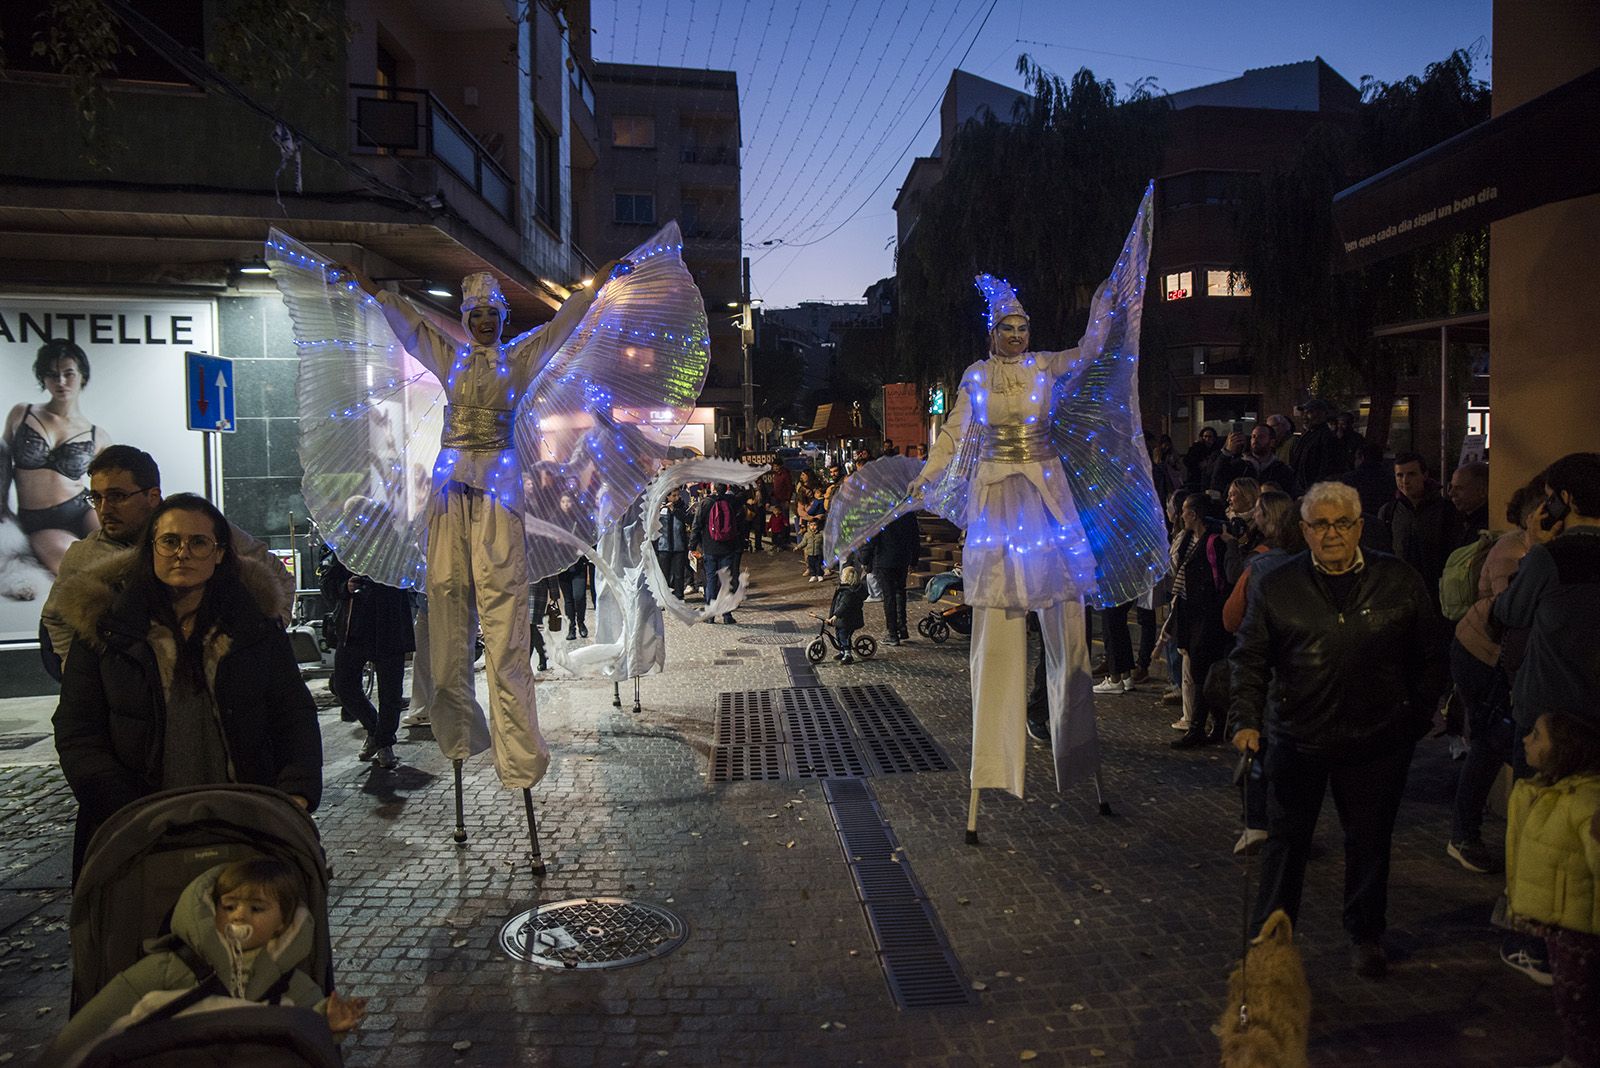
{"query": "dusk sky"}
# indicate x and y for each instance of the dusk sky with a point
(837, 96)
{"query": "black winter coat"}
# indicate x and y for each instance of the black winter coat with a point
(896, 546)
(1423, 534)
(110, 724)
(846, 608)
(373, 621)
(1343, 685)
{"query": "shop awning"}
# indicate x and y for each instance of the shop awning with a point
(1539, 153)
(840, 422)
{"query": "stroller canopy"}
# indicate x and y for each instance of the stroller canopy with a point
(140, 860)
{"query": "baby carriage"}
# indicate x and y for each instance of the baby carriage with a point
(948, 614)
(137, 865)
(863, 645)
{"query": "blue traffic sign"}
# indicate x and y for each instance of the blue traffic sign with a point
(208, 384)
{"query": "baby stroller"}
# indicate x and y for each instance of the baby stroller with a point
(864, 645)
(952, 616)
(137, 865)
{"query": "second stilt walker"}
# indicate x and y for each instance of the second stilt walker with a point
(1043, 462)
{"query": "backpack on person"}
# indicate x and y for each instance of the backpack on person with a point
(1458, 586)
(719, 523)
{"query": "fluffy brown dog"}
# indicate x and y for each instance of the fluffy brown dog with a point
(1279, 1003)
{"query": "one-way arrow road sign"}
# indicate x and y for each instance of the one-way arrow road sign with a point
(208, 381)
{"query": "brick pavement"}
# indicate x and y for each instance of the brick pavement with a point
(1098, 941)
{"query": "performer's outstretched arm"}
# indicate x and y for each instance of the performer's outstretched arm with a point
(432, 347)
(950, 434)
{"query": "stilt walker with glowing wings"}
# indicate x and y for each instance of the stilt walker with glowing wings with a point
(1043, 462)
(438, 460)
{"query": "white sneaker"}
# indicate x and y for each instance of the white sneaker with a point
(1128, 685)
(417, 719)
(1108, 685)
(1249, 842)
(1180, 724)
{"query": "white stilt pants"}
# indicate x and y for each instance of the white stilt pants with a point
(999, 663)
(476, 554)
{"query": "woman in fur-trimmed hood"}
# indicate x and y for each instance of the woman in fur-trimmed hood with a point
(179, 676)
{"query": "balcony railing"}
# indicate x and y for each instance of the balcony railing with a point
(413, 123)
(717, 155)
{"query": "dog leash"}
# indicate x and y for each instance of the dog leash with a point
(1244, 919)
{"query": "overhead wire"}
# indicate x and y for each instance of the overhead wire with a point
(819, 188)
(840, 126)
(934, 110)
(784, 230)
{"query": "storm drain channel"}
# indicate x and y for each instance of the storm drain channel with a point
(918, 964)
(812, 732)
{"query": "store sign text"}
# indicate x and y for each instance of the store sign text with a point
(97, 328)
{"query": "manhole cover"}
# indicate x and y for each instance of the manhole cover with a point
(592, 932)
(772, 639)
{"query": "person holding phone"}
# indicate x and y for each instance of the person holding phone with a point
(1555, 599)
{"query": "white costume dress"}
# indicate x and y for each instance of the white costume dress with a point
(475, 545)
(1043, 462)
(430, 461)
(1025, 551)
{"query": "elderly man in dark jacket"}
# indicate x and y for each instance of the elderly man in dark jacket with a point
(1339, 664)
(890, 556)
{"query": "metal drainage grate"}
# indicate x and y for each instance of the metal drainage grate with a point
(826, 758)
(755, 728)
(769, 639)
(917, 962)
(749, 763)
(744, 702)
(902, 755)
(592, 932)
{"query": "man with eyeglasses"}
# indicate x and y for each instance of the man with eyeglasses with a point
(1335, 676)
(124, 488)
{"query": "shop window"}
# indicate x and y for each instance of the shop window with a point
(1179, 285)
(633, 131)
(1226, 284)
(635, 208)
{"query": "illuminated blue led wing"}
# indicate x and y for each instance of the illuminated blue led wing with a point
(370, 418)
(1096, 428)
(870, 498)
(595, 426)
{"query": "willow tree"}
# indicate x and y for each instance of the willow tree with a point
(1309, 316)
(1044, 201)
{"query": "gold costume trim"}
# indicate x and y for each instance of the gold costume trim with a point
(1018, 443)
(476, 429)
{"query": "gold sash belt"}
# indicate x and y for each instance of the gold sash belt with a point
(1024, 443)
(476, 429)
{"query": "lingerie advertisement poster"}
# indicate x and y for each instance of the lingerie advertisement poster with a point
(130, 391)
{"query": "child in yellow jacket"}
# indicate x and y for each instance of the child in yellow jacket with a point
(1553, 870)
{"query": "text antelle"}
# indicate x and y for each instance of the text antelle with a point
(96, 328)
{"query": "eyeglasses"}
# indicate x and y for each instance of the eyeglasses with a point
(1321, 526)
(113, 497)
(200, 546)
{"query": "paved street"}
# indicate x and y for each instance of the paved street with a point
(1090, 940)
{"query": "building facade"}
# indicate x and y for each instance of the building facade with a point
(437, 140)
(668, 148)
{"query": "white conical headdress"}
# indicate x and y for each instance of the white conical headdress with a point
(1001, 297)
(482, 288)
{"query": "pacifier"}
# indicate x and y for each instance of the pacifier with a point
(240, 933)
